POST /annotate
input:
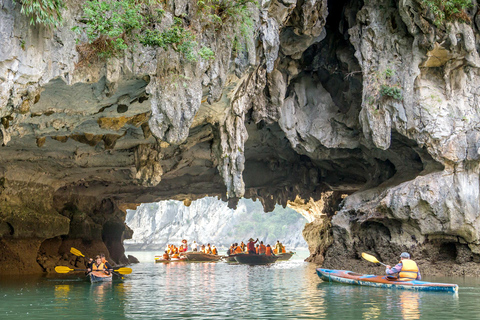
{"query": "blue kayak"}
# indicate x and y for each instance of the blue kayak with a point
(349, 277)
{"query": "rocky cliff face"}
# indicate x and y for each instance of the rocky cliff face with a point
(209, 220)
(370, 104)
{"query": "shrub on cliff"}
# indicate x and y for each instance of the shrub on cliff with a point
(46, 12)
(112, 25)
(450, 10)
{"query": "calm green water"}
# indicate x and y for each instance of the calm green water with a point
(221, 291)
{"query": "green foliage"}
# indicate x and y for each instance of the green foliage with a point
(180, 39)
(391, 91)
(46, 12)
(219, 12)
(382, 85)
(449, 10)
(206, 53)
(112, 22)
(111, 25)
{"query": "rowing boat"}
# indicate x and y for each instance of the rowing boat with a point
(254, 259)
(349, 277)
(229, 258)
(161, 260)
(200, 256)
(99, 276)
(285, 256)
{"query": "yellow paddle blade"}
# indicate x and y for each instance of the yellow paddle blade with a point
(369, 257)
(123, 270)
(76, 252)
(62, 269)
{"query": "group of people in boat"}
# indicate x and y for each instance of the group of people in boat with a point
(172, 251)
(260, 248)
(210, 249)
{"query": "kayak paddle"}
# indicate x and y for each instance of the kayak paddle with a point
(371, 258)
(76, 252)
(63, 269)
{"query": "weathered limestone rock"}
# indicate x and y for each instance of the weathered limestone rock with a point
(365, 99)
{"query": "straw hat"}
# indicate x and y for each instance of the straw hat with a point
(251, 239)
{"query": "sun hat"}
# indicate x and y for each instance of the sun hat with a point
(405, 255)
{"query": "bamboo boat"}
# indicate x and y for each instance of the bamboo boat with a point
(161, 260)
(200, 256)
(349, 277)
(285, 256)
(254, 259)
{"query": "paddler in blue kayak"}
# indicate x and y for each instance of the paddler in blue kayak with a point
(406, 269)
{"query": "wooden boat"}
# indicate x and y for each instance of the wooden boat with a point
(200, 256)
(285, 256)
(161, 260)
(349, 277)
(99, 276)
(253, 259)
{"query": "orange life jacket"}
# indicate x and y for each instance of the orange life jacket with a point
(214, 251)
(238, 249)
(409, 270)
(283, 249)
(268, 251)
(256, 249)
(166, 256)
(101, 267)
(208, 250)
(262, 249)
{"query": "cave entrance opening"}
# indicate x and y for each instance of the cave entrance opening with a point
(210, 220)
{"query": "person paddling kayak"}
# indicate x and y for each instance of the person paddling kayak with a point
(406, 269)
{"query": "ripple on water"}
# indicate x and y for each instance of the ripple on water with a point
(285, 290)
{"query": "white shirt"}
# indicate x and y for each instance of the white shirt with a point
(194, 245)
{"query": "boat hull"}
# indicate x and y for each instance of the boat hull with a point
(255, 259)
(96, 276)
(349, 277)
(161, 260)
(285, 256)
(201, 257)
(230, 258)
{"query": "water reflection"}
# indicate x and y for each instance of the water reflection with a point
(287, 290)
(410, 305)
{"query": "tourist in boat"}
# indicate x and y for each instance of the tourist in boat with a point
(251, 246)
(202, 248)
(214, 250)
(208, 249)
(256, 248)
(105, 262)
(166, 256)
(262, 249)
(194, 246)
(185, 245)
(238, 249)
(242, 245)
(98, 265)
(181, 249)
(405, 270)
(269, 251)
(279, 247)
